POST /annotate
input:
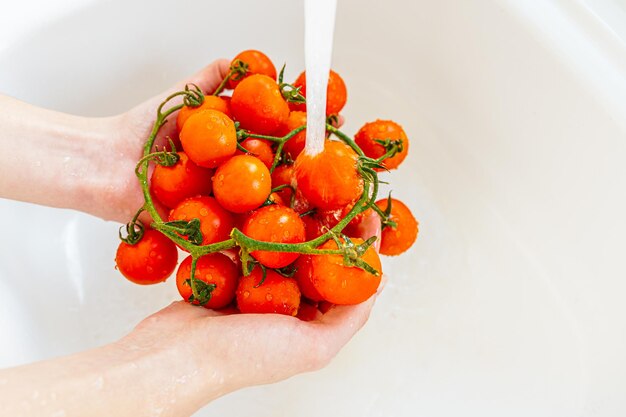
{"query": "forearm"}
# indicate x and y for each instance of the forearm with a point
(115, 380)
(61, 160)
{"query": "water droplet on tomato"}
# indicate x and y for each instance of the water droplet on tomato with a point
(246, 294)
(344, 283)
(204, 211)
(149, 269)
(152, 254)
(268, 297)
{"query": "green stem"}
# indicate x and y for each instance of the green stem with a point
(347, 139)
(222, 85)
(246, 243)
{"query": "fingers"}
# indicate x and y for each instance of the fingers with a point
(208, 78)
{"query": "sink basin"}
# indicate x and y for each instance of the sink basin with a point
(512, 300)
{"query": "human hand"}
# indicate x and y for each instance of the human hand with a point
(220, 353)
(134, 127)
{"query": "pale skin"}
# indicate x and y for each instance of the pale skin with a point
(179, 359)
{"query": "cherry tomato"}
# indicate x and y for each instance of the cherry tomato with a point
(304, 277)
(258, 63)
(295, 145)
(283, 175)
(336, 93)
(215, 222)
(313, 226)
(213, 268)
(242, 183)
(307, 311)
(149, 261)
(381, 130)
(342, 284)
(329, 180)
(396, 240)
(277, 224)
(210, 102)
(276, 294)
(171, 185)
(258, 105)
(260, 148)
(209, 138)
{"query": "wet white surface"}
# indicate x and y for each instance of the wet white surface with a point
(511, 303)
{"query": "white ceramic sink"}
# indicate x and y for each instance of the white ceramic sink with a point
(512, 301)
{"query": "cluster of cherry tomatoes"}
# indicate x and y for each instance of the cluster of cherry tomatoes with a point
(269, 227)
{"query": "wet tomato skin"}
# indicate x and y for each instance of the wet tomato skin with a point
(344, 285)
(149, 261)
(278, 224)
(330, 179)
(213, 268)
(277, 294)
(170, 185)
(209, 138)
(259, 148)
(242, 183)
(258, 63)
(336, 93)
(258, 105)
(381, 130)
(216, 223)
(398, 239)
(210, 102)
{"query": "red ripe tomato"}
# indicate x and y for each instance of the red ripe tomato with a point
(330, 179)
(258, 63)
(171, 185)
(209, 103)
(276, 294)
(213, 268)
(381, 130)
(283, 175)
(209, 138)
(215, 222)
(278, 224)
(304, 277)
(312, 226)
(340, 284)
(307, 311)
(242, 184)
(260, 148)
(258, 105)
(336, 93)
(396, 240)
(149, 261)
(295, 145)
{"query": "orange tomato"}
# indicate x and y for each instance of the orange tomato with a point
(209, 103)
(260, 148)
(277, 224)
(209, 138)
(381, 130)
(258, 105)
(242, 183)
(258, 63)
(276, 294)
(215, 222)
(336, 93)
(330, 179)
(213, 268)
(295, 145)
(340, 284)
(171, 185)
(396, 240)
